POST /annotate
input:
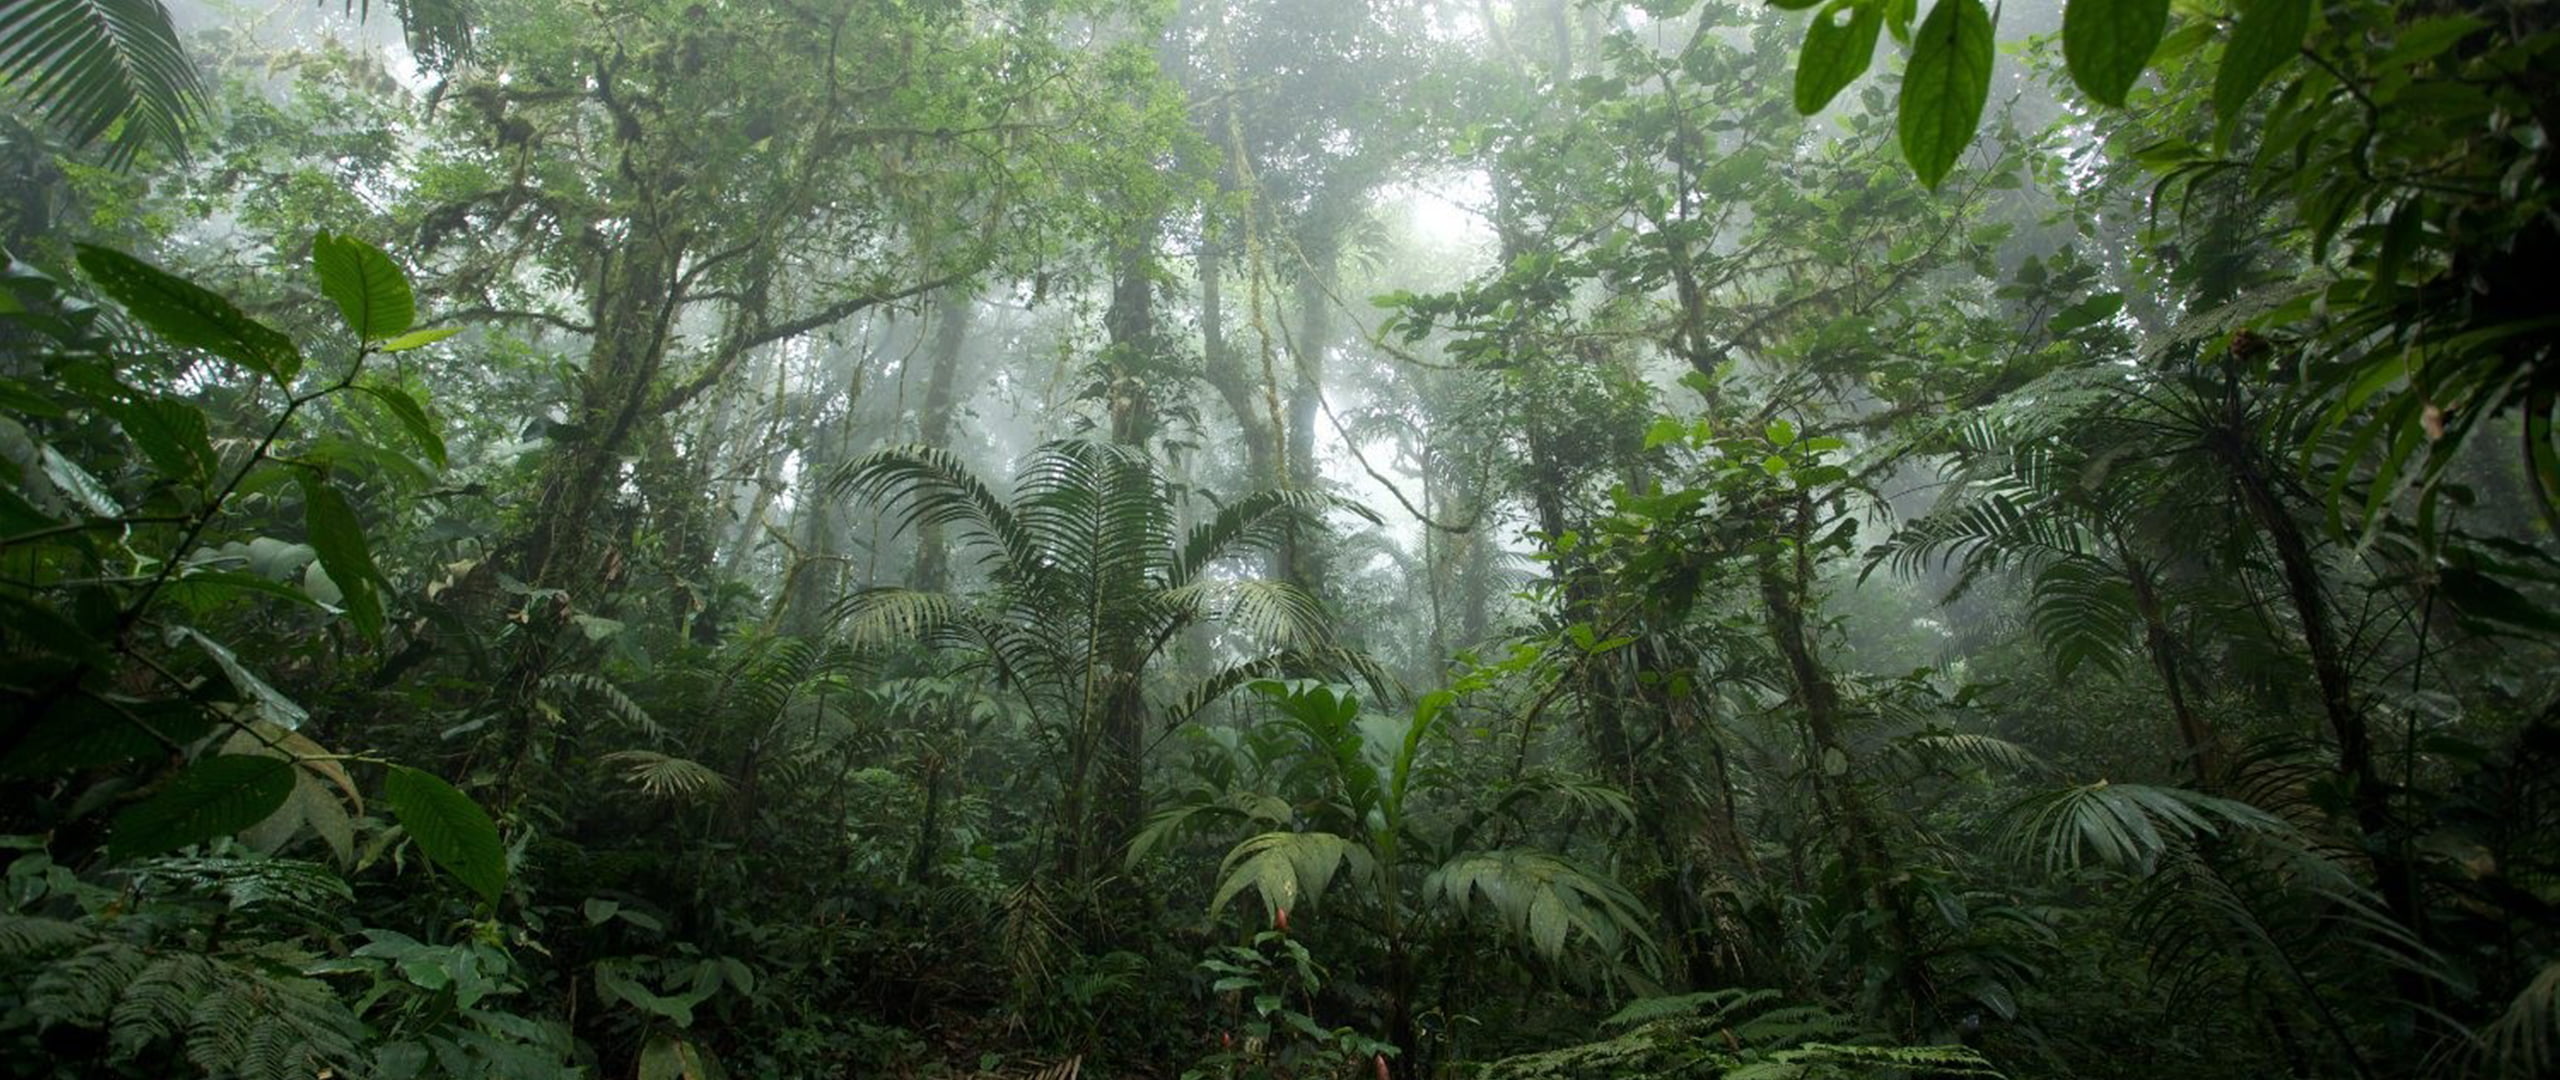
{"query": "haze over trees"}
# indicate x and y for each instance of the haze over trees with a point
(1279, 539)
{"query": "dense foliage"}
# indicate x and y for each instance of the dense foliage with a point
(1279, 539)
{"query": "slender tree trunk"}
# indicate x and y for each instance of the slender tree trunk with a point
(952, 313)
(2195, 737)
(2368, 794)
(1302, 555)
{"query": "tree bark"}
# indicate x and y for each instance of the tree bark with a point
(953, 311)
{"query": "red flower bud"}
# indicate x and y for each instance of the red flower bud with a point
(1280, 919)
(1381, 1060)
(1227, 1040)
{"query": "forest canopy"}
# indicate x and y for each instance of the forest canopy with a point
(1279, 539)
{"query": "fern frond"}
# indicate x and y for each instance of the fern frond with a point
(82, 989)
(24, 937)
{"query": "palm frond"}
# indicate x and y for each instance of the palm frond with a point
(664, 776)
(1546, 900)
(2123, 826)
(1289, 868)
(1256, 522)
(103, 67)
(877, 617)
(1277, 613)
(938, 489)
(2525, 1040)
(617, 704)
(2084, 613)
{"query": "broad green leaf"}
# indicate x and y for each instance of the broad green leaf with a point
(2264, 35)
(369, 289)
(172, 433)
(189, 314)
(412, 417)
(216, 796)
(667, 1057)
(1837, 48)
(2106, 43)
(339, 538)
(415, 339)
(450, 828)
(1944, 88)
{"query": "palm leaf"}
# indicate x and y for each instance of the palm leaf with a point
(1256, 522)
(663, 776)
(1288, 868)
(97, 68)
(1546, 900)
(2525, 1040)
(938, 489)
(2124, 826)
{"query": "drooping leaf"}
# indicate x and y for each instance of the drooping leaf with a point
(413, 419)
(339, 538)
(371, 293)
(1945, 87)
(216, 796)
(2264, 35)
(418, 339)
(273, 706)
(2106, 43)
(1837, 50)
(189, 314)
(450, 828)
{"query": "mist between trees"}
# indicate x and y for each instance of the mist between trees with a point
(1279, 539)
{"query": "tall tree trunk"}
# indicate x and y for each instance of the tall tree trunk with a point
(953, 310)
(1228, 373)
(559, 555)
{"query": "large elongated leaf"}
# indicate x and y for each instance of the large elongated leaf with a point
(2264, 35)
(450, 828)
(92, 65)
(339, 538)
(1836, 51)
(1944, 89)
(216, 796)
(2106, 43)
(369, 289)
(189, 314)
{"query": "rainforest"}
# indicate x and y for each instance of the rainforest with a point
(1279, 539)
